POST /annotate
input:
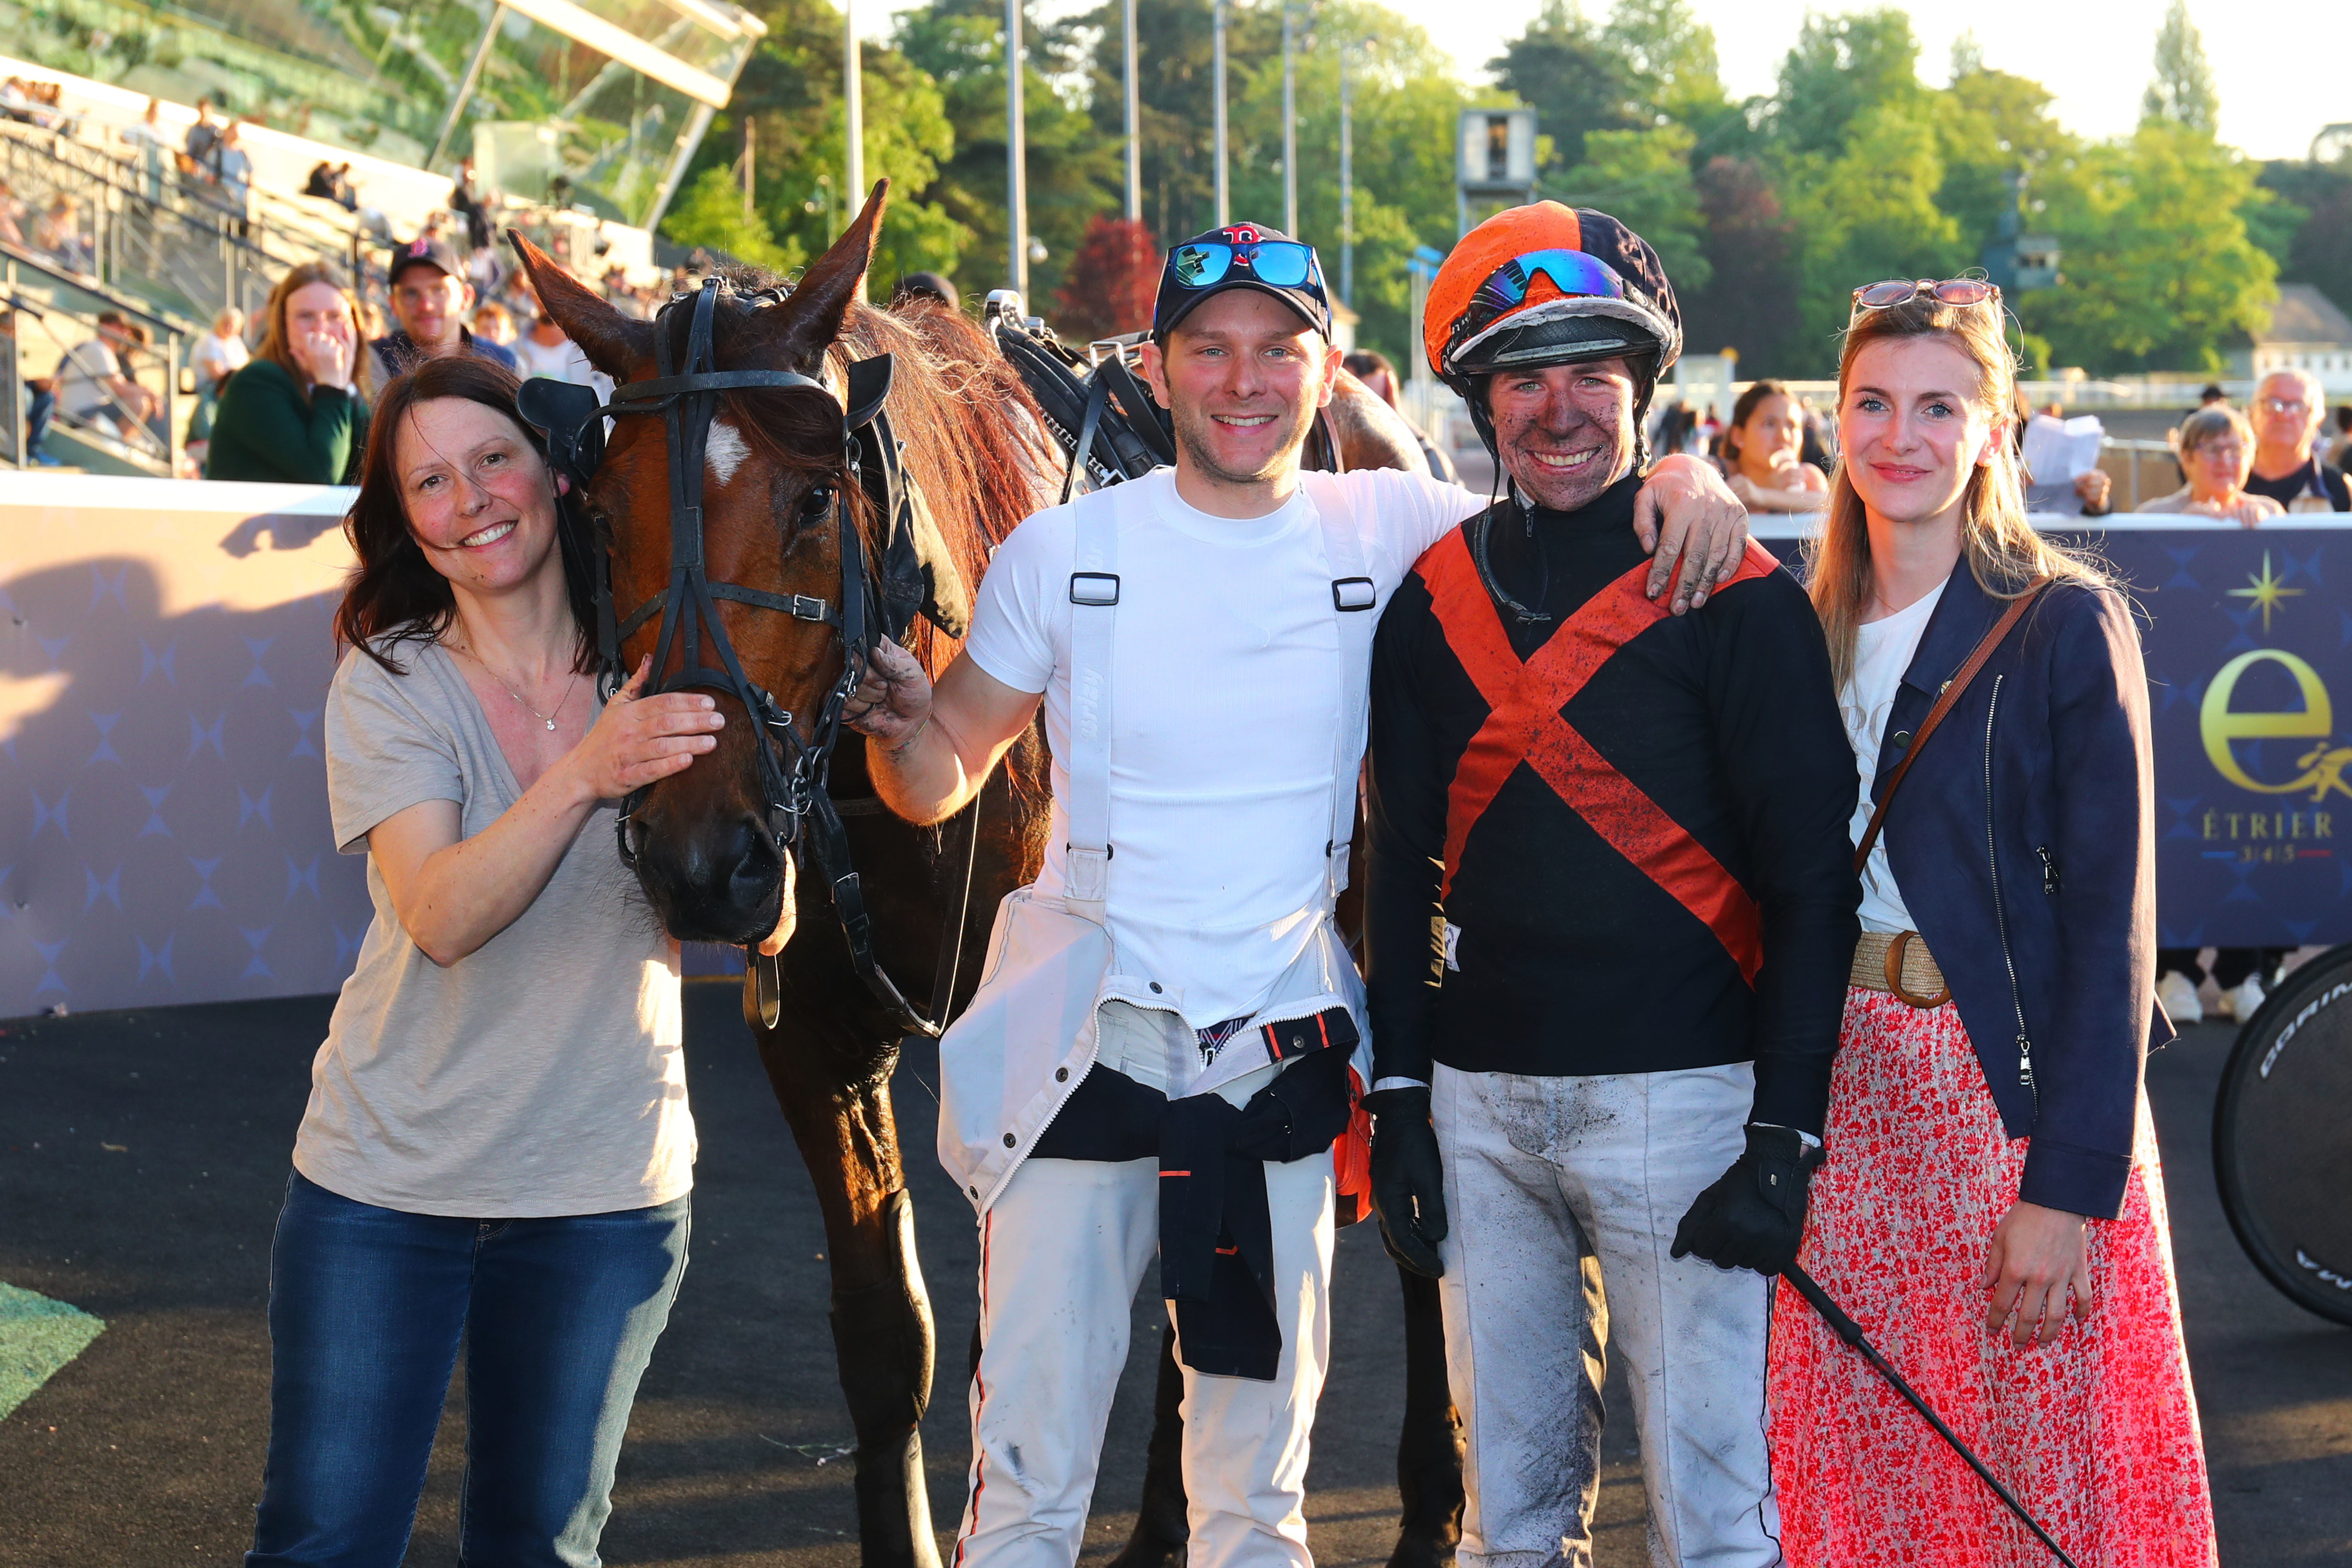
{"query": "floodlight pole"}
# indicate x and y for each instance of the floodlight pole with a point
(1346, 178)
(853, 101)
(1289, 123)
(1224, 185)
(1016, 193)
(1134, 126)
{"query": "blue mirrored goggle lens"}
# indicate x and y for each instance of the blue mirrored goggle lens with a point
(1573, 272)
(1284, 264)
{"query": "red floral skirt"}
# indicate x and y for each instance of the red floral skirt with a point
(2096, 1433)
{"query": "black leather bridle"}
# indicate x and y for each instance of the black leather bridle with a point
(793, 756)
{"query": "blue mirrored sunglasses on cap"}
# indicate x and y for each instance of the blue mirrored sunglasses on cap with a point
(1574, 272)
(1285, 263)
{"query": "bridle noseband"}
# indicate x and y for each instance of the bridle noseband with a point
(794, 758)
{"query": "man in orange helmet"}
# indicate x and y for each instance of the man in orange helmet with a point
(1609, 918)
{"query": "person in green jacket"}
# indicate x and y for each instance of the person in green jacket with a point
(296, 413)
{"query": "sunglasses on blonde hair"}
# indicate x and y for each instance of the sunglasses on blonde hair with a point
(1903, 290)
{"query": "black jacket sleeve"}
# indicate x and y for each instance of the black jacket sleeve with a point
(1402, 913)
(1790, 774)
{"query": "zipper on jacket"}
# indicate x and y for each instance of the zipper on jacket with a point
(2000, 914)
(2049, 870)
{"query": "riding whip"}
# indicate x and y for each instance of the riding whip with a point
(1846, 1328)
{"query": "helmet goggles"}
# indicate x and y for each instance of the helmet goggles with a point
(1574, 272)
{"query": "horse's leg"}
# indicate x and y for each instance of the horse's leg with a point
(1161, 1530)
(881, 1314)
(1429, 1448)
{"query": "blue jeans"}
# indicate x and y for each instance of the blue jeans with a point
(367, 1308)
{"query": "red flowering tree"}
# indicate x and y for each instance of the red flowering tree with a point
(1109, 283)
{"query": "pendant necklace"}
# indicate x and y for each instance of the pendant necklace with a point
(546, 718)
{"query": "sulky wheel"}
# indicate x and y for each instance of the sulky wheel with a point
(2282, 1137)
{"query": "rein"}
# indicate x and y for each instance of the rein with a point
(793, 756)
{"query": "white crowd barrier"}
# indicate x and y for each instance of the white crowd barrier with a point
(163, 829)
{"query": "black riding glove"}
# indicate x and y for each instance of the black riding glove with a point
(1408, 1180)
(1754, 1215)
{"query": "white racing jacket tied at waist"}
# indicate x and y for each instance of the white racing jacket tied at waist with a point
(1032, 1029)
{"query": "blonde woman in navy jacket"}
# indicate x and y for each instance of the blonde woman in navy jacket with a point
(1990, 1208)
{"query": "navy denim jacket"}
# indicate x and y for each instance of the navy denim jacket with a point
(2024, 845)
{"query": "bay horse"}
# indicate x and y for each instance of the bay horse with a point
(783, 533)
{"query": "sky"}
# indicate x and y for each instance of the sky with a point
(2283, 68)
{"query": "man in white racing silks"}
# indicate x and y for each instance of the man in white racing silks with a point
(1159, 1057)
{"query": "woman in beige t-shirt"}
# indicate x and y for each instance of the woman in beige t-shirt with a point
(498, 1147)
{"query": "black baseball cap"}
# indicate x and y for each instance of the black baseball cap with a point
(1241, 255)
(424, 251)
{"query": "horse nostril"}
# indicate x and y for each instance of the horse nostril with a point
(752, 862)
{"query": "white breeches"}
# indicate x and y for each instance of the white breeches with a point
(1562, 1195)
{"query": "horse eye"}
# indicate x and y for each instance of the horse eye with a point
(819, 502)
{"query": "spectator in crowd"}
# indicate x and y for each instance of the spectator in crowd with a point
(468, 206)
(511, 1179)
(492, 323)
(923, 286)
(2211, 394)
(217, 355)
(1762, 453)
(2216, 448)
(332, 182)
(14, 214)
(40, 399)
(145, 137)
(1379, 378)
(2288, 409)
(1677, 431)
(95, 388)
(220, 352)
(16, 101)
(1990, 1208)
(296, 413)
(234, 170)
(201, 144)
(2085, 495)
(430, 299)
(544, 351)
(2340, 445)
(59, 232)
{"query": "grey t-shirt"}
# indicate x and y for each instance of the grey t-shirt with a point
(541, 1074)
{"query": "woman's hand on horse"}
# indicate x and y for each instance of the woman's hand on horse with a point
(2038, 1269)
(894, 700)
(637, 740)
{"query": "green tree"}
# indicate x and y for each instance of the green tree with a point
(1995, 131)
(1643, 179)
(1841, 68)
(1072, 170)
(1867, 215)
(2160, 269)
(709, 212)
(1668, 58)
(2308, 228)
(2182, 92)
(1576, 78)
(790, 92)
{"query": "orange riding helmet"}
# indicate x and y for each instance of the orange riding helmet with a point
(1547, 284)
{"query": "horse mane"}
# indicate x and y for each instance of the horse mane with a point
(975, 441)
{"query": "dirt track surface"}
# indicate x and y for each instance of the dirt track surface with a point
(147, 1450)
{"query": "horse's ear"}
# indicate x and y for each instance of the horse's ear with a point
(615, 343)
(818, 307)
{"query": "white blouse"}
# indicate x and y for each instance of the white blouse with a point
(1882, 652)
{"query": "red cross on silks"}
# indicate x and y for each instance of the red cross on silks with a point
(1524, 725)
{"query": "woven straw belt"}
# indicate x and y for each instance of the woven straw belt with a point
(1899, 962)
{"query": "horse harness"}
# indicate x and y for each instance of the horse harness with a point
(795, 754)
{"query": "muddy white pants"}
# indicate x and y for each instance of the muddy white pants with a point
(1062, 1252)
(1562, 1195)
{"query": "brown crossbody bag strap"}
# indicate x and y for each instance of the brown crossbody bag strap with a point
(1953, 688)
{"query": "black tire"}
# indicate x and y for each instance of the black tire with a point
(2282, 1148)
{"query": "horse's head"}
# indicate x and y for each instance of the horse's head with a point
(772, 471)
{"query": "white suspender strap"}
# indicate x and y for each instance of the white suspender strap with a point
(1354, 596)
(1094, 601)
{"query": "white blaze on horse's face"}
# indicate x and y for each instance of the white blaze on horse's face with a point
(724, 452)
